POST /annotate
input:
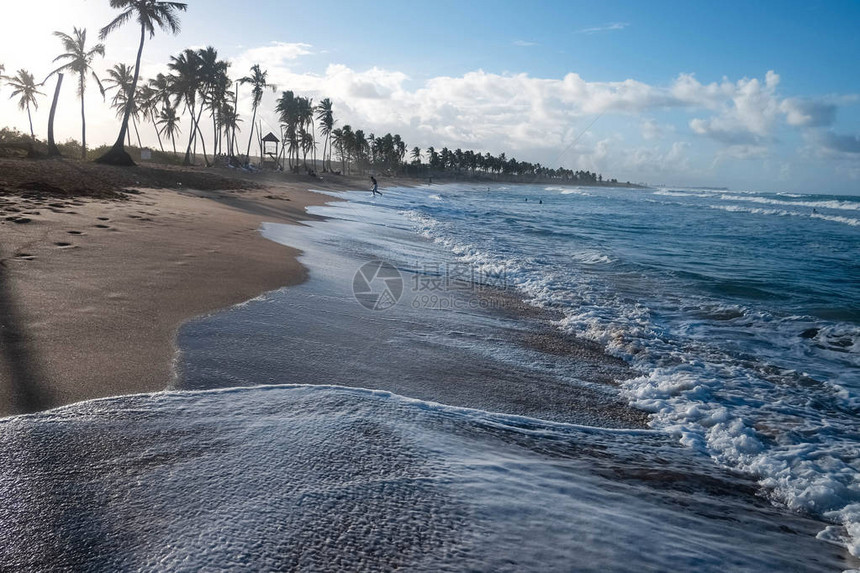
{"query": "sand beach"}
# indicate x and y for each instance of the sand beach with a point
(101, 265)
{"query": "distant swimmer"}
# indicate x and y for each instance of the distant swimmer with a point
(374, 191)
(814, 210)
(540, 201)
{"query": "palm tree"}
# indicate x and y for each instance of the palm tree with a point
(213, 88)
(258, 80)
(121, 77)
(416, 155)
(148, 13)
(325, 117)
(230, 123)
(337, 139)
(148, 100)
(169, 124)
(306, 140)
(78, 60)
(24, 85)
(289, 110)
(184, 81)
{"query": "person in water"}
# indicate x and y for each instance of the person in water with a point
(374, 191)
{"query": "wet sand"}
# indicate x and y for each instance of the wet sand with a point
(93, 288)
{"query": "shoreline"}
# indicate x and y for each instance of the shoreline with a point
(95, 289)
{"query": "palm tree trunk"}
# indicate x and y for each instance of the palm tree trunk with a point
(202, 140)
(157, 134)
(117, 154)
(83, 121)
(52, 147)
(173, 140)
(30, 117)
(191, 133)
(136, 132)
(215, 133)
(251, 137)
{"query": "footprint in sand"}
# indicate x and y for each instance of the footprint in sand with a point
(63, 245)
(103, 218)
(25, 256)
(75, 232)
(102, 226)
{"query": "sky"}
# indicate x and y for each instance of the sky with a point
(740, 94)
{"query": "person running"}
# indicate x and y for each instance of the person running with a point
(374, 191)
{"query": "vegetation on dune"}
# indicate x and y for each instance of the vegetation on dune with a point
(198, 91)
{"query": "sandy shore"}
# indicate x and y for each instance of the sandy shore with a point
(93, 290)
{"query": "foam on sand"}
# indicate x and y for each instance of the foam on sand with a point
(321, 478)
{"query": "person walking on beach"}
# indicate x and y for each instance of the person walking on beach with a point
(374, 191)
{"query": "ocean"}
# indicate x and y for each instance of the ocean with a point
(494, 378)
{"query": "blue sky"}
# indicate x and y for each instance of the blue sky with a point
(758, 95)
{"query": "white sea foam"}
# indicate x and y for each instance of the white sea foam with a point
(783, 213)
(569, 191)
(830, 204)
(700, 393)
(669, 193)
(324, 478)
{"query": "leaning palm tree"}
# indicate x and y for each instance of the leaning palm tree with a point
(148, 13)
(24, 85)
(416, 155)
(258, 80)
(78, 59)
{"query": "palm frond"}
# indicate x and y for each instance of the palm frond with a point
(116, 22)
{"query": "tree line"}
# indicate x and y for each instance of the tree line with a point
(198, 88)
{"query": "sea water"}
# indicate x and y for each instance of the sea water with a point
(741, 309)
(733, 318)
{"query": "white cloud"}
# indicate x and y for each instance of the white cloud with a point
(808, 113)
(742, 152)
(604, 28)
(534, 118)
(748, 109)
(651, 130)
(655, 160)
(275, 53)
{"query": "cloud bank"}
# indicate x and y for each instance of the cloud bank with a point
(518, 113)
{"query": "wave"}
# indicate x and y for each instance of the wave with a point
(666, 193)
(568, 191)
(214, 479)
(830, 204)
(783, 213)
(703, 394)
